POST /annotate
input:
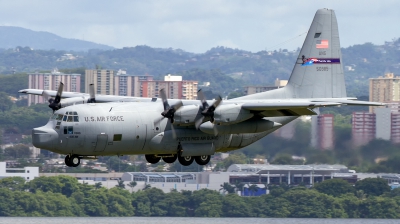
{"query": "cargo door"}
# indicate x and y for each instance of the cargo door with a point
(101, 143)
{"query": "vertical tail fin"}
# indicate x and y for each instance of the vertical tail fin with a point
(318, 72)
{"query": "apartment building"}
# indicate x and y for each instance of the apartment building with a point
(103, 80)
(174, 87)
(322, 132)
(384, 89)
(51, 81)
(363, 128)
(129, 85)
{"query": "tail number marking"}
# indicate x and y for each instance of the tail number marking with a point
(322, 69)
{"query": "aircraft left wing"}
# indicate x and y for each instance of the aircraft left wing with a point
(99, 98)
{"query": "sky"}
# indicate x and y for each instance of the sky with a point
(198, 25)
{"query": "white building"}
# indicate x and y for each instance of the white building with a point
(28, 173)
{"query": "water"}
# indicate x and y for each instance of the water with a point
(177, 220)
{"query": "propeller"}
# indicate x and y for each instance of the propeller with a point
(55, 103)
(169, 111)
(92, 98)
(207, 111)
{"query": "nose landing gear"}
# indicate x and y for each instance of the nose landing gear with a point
(72, 160)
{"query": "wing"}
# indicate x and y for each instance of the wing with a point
(99, 98)
(276, 108)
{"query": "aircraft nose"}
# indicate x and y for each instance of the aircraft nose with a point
(44, 138)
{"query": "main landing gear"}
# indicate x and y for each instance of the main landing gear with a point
(72, 160)
(184, 160)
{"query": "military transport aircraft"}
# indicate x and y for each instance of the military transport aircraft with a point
(87, 126)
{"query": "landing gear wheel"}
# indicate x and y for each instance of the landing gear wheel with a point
(74, 161)
(202, 160)
(185, 160)
(67, 160)
(152, 158)
(170, 159)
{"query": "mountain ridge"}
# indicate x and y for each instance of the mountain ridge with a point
(13, 36)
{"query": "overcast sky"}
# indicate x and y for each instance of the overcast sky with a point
(196, 26)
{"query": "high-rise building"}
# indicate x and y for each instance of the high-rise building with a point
(395, 129)
(384, 89)
(51, 81)
(129, 85)
(322, 133)
(363, 128)
(174, 87)
(388, 124)
(102, 79)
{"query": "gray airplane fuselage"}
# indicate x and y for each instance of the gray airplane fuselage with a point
(130, 128)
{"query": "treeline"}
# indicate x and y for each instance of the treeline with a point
(64, 196)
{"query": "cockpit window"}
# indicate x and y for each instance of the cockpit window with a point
(59, 117)
(70, 116)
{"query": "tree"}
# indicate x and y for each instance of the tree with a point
(253, 189)
(120, 184)
(234, 158)
(132, 184)
(98, 185)
(13, 183)
(238, 186)
(373, 186)
(334, 187)
(45, 184)
(226, 187)
(305, 203)
(361, 195)
(18, 151)
(5, 102)
(235, 206)
(283, 159)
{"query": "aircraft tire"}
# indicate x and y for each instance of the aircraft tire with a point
(202, 160)
(152, 158)
(185, 160)
(171, 159)
(75, 160)
(67, 161)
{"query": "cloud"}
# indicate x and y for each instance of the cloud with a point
(197, 26)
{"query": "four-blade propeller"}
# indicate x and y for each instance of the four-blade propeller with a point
(54, 104)
(169, 111)
(207, 111)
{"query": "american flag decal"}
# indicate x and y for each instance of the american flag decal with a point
(322, 44)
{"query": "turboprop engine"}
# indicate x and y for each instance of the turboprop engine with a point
(231, 114)
(186, 115)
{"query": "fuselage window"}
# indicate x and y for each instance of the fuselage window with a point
(68, 130)
(58, 124)
(117, 137)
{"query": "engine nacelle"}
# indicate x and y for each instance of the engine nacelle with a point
(186, 115)
(252, 126)
(72, 101)
(231, 114)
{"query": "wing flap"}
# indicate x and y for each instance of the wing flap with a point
(262, 106)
